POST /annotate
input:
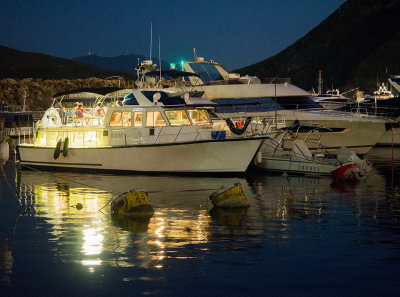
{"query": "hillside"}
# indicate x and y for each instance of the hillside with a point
(18, 64)
(124, 63)
(354, 47)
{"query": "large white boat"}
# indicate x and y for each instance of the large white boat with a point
(332, 99)
(385, 102)
(146, 135)
(381, 94)
(246, 95)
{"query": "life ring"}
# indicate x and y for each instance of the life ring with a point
(236, 130)
(65, 148)
(57, 151)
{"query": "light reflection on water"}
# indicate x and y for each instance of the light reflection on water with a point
(291, 222)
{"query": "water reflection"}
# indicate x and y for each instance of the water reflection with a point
(184, 224)
(354, 226)
(229, 216)
(6, 263)
(132, 224)
(181, 217)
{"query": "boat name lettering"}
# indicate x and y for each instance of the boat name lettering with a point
(118, 134)
(308, 168)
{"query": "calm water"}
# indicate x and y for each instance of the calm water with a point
(301, 236)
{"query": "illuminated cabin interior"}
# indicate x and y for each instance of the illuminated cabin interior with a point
(147, 123)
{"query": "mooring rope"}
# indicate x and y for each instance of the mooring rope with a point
(9, 186)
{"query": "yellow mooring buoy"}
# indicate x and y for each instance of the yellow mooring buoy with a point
(133, 203)
(231, 196)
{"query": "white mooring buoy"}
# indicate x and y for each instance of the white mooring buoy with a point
(4, 150)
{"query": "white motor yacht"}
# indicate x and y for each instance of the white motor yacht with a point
(381, 94)
(147, 134)
(332, 99)
(278, 97)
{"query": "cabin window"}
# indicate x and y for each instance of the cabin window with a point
(138, 119)
(199, 116)
(127, 119)
(119, 119)
(177, 117)
(154, 119)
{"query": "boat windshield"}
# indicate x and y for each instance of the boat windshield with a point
(177, 117)
(199, 116)
(207, 72)
(297, 102)
(264, 104)
(119, 119)
(154, 119)
(246, 105)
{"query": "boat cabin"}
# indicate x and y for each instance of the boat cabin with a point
(139, 121)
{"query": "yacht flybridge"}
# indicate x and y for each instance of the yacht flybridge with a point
(146, 134)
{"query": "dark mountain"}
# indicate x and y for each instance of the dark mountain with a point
(354, 47)
(124, 63)
(18, 64)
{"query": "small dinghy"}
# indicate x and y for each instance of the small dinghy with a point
(231, 196)
(133, 203)
(299, 159)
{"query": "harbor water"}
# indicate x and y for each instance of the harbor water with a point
(301, 236)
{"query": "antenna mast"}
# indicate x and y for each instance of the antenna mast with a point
(151, 38)
(194, 54)
(320, 81)
(159, 54)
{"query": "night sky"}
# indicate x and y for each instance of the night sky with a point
(234, 33)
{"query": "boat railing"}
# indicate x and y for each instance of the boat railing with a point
(260, 125)
(245, 107)
(375, 111)
(90, 117)
(25, 136)
(219, 130)
(189, 133)
(3, 134)
(78, 136)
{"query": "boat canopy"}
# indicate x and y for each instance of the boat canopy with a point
(97, 91)
(132, 99)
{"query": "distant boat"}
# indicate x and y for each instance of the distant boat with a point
(381, 94)
(332, 99)
(384, 103)
(16, 123)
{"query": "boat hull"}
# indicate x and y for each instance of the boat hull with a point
(338, 129)
(359, 136)
(390, 138)
(295, 166)
(216, 156)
